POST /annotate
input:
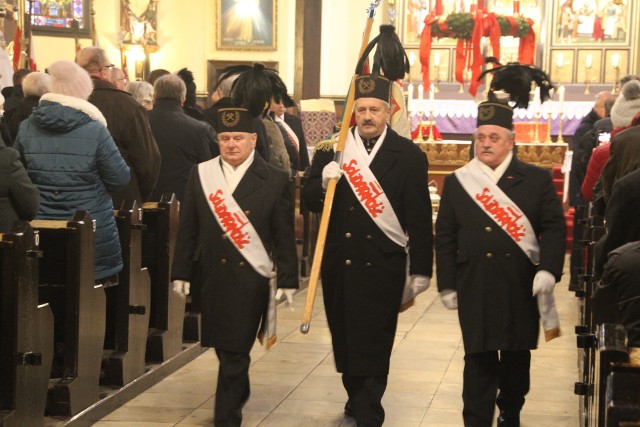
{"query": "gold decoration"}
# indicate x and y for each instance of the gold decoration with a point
(366, 86)
(486, 112)
(230, 118)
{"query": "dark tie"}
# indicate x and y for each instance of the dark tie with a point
(369, 143)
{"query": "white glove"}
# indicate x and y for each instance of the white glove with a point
(331, 171)
(181, 287)
(419, 283)
(449, 298)
(543, 283)
(288, 293)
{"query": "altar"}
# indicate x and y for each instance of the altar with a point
(456, 116)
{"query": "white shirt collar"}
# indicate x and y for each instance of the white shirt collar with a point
(234, 175)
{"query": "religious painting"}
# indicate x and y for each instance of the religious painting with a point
(60, 17)
(592, 21)
(139, 22)
(246, 24)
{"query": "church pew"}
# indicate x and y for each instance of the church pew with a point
(168, 308)
(67, 284)
(26, 331)
(128, 304)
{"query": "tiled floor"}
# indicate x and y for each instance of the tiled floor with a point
(295, 383)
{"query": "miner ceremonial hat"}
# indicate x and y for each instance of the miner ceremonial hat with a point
(494, 111)
(369, 86)
(234, 120)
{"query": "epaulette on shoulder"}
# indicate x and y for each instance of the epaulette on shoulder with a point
(327, 144)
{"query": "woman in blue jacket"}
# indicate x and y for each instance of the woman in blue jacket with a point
(72, 159)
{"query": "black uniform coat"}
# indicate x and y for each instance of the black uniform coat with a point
(363, 271)
(234, 295)
(491, 274)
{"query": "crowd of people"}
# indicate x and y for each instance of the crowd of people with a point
(83, 138)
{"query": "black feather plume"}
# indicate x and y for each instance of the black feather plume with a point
(255, 88)
(515, 79)
(390, 56)
(232, 70)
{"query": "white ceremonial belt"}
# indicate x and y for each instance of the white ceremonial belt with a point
(368, 190)
(500, 208)
(232, 218)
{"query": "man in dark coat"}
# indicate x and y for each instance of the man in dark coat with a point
(232, 225)
(128, 124)
(364, 269)
(292, 133)
(183, 141)
(491, 264)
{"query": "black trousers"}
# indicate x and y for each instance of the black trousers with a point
(488, 373)
(365, 397)
(233, 389)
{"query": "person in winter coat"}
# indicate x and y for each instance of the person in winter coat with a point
(19, 198)
(72, 159)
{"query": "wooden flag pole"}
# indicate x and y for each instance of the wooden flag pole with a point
(314, 277)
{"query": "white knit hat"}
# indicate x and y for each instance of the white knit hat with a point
(627, 105)
(68, 78)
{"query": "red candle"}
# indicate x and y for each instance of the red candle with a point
(516, 7)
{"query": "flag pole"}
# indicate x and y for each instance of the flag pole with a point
(314, 276)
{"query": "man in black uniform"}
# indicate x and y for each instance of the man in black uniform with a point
(500, 242)
(381, 208)
(235, 223)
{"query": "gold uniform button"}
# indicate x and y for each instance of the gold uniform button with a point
(348, 262)
(488, 229)
(347, 235)
(368, 264)
(224, 236)
(369, 237)
(507, 255)
(241, 264)
(223, 260)
(351, 208)
(489, 255)
(247, 212)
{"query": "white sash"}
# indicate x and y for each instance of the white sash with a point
(500, 208)
(232, 219)
(368, 190)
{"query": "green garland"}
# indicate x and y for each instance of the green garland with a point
(460, 25)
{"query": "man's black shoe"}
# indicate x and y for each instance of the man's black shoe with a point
(347, 409)
(509, 419)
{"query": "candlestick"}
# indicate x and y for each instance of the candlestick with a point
(561, 97)
(536, 137)
(436, 60)
(420, 92)
(420, 137)
(548, 139)
(431, 139)
(437, 78)
(615, 60)
(587, 78)
(589, 60)
(560, 140)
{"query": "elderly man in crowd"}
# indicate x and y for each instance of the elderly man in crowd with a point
(500, 241)
(183, 141)
(128, 125)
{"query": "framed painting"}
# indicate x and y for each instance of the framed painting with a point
(246, 24)
(592, 21)
(60, 17)
(139, 21)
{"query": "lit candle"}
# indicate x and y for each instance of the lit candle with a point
(409, 97)
(536, 100)
(436, 60)
(420, 92)
(589, 60)
(516, 7)
(615, 60)
(561, 96)
(412, 59)
(559, 60)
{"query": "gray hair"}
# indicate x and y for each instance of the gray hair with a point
(142, 92)
(170, 86)
(36, 84)
(92, 59)
(225, 85)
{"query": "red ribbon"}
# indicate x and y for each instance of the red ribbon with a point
(514, 25)
(425, 48)
(527, 48)
(476, 53)
(439, 8)
(462, 50)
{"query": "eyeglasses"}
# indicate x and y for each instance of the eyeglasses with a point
(110, 67)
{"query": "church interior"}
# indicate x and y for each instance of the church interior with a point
(586, 377)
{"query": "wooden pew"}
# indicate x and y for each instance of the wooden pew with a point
(128, 304)
(26, 331)
(67, 284)
(168, 308)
